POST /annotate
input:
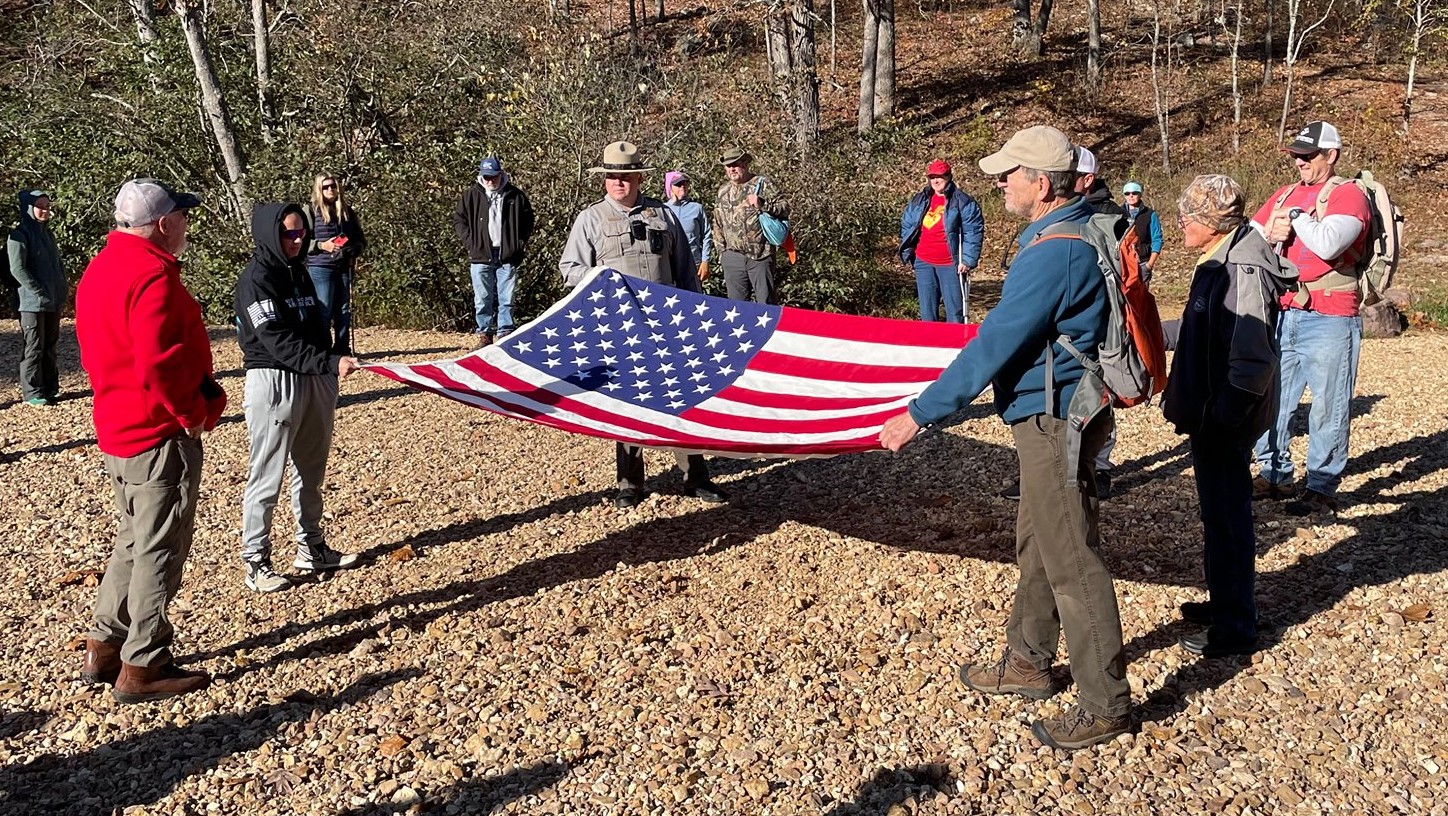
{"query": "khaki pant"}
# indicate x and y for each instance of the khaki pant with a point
(155, 492)
(1064, 584)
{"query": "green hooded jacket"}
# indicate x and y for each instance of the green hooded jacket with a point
(35, 261)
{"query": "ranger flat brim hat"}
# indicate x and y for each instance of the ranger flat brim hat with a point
(621, 157)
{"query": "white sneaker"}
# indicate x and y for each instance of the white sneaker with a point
(260, 577)
(320, 557)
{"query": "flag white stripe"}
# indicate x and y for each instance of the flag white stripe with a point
(806, 387)
(858, 351)
(662, 421)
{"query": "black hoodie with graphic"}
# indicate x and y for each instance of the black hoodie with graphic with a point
(278, 315)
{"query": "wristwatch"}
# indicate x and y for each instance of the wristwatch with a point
(1293, 213)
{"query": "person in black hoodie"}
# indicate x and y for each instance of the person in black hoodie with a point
(291, 394)
(1222, 392)
(494, 220)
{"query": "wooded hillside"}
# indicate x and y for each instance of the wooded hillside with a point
(248, 101)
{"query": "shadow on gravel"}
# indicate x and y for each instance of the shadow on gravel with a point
(145, 768)
(17, 723)
(1385, 548)
(7, 457)
(481, 796)
(892, 786)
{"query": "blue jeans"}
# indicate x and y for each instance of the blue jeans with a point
(1319, 352)
(493, 285)
(334, 289)
(934, 283)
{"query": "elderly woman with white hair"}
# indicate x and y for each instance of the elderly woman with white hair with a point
(1222, 392)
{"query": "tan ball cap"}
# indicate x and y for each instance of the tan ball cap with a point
(1040, 148)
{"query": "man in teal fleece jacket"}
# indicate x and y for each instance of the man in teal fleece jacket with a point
(1054, 288)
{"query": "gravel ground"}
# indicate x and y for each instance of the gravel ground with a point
(516, 645)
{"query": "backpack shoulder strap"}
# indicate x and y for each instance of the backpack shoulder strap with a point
(1321, 206)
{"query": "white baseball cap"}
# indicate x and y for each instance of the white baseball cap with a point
(145, 201)
(1086, 161)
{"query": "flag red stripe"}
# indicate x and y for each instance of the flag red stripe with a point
(654, 435)
(765, 425)
(876, 329)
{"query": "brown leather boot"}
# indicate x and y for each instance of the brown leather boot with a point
(139, 684)
(102, 662)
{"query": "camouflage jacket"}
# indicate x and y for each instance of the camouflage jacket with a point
(736, 224)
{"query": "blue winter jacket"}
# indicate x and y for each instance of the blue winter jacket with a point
(1054, 287)
(964, 225)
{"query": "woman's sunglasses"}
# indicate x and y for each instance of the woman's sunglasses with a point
(294, 235)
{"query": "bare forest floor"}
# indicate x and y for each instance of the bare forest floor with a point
(513, 641)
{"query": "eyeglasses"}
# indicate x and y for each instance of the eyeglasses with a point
(1134, 195)
(1307, 157)
(294, 235)
(329, 186)
(491, 178)
(1001, 179)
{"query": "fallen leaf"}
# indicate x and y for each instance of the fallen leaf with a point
(1417, 613)
(392, 746)
(403, 553)
(87, 577)
(77, 642)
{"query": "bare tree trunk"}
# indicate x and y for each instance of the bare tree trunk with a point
(659, 11)
(1158, 95)
(1267, 46)
(633, 20)
(866, 120)
(1093, 43)
(885, 60)
(145, 21)
(1038, 35)
(1295, 42)
(1236, 83)
(1422, 20)
(805, 76)
(262, 40)
(213, 106)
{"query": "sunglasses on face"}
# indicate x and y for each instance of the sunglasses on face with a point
(329, 186)
(1133, 195)
(294, 235)
(1307, 157)
(491, 178)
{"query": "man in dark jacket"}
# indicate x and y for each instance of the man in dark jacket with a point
(291, 394)
(35, 263)
(1223, 392)
(494, 220)
(941, 232)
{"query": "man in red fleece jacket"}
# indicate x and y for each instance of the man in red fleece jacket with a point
(145, 347)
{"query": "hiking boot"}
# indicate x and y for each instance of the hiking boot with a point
(1312, 503)
(1103, 485)
(1012, 491)
(1210, 642)
(1079, 728)
(102, 662)
(1009, 675)
(484, 340)
(321, 558)
(139, 684)
(1263, 489)
(260, 577)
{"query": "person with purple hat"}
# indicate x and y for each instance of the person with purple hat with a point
(494, 220)
(677, 197)
(941, 232)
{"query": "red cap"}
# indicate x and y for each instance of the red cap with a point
(939, 167)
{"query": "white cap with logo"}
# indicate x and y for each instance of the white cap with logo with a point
(145, 201)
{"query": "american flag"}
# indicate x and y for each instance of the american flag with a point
(648, 364)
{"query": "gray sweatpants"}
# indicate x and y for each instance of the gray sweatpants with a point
(289, 420)
(155, 492)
